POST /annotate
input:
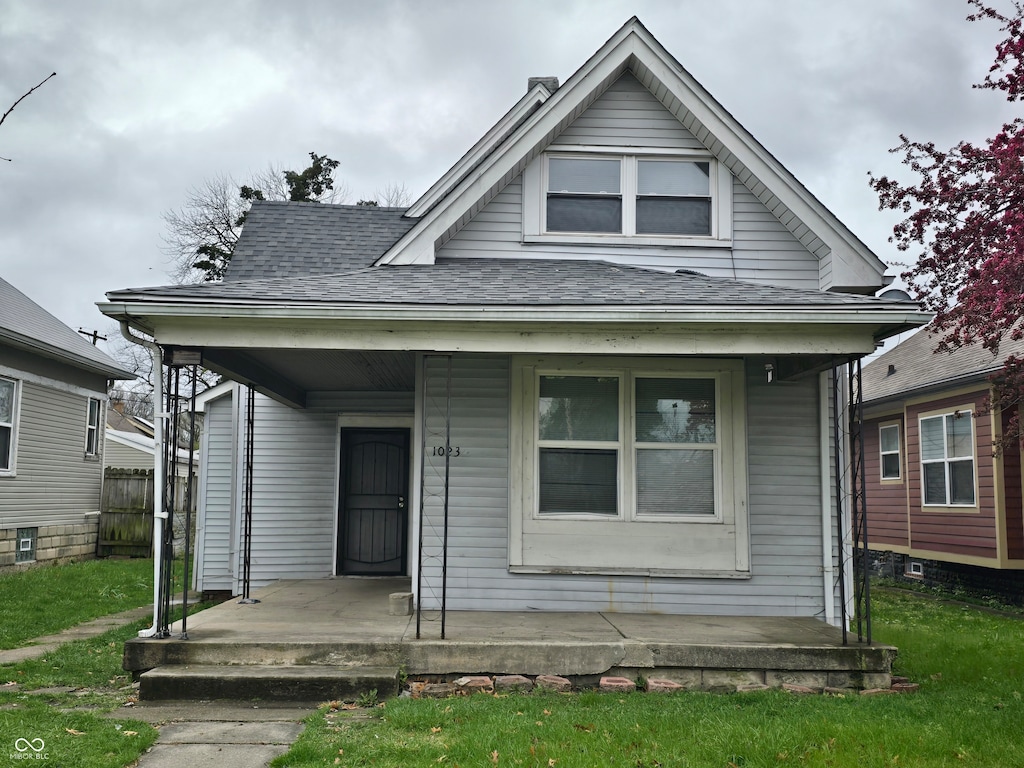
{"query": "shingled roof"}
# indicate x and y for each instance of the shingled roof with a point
(26, 325)
(506, 282)
(285, 239)
(915, 366)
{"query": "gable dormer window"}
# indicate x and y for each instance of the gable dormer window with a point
(640, 198)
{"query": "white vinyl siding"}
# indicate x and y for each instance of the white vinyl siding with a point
(125, 456)
(214, 507)
(55, 484)
(627, 115)
(294, 487)
(784, 495)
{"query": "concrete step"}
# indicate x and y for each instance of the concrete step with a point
(305, 683)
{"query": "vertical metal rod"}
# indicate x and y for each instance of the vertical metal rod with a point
(447, 478)
(423, 495)
(837, 437)
(862, 578)
(189, 477)
(250, 420)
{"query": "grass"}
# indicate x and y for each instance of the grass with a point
(67, 725)
(969, 711)
(46, 599)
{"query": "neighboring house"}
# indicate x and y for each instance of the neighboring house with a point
(943, 505)
(53, 394)
(132, 450)
(589, 369)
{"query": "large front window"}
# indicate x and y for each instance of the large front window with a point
(8, 412)
(655, 436)
(947, 459)
(630, 466)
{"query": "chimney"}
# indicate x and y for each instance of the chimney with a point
(551, 83)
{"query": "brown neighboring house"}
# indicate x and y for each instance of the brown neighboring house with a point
(943, 504)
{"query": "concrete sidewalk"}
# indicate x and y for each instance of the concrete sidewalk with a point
(217, 734)
(43, 645)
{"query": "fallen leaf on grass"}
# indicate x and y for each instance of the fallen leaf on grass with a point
(547, 711)
(588, 728)
(494, 757)
(73, 732)
(130, 733)
(435, 729)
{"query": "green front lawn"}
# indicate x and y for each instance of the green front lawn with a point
(969, 712)
(46, 599)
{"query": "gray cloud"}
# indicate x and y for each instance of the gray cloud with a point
(153, 97)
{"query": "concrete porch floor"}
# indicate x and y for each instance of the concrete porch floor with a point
(345, 623)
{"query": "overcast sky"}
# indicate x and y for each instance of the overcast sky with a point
(151, 98)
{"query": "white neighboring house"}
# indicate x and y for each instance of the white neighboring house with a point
(589, 369)
(53, 397)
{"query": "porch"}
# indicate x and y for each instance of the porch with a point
(315, 639)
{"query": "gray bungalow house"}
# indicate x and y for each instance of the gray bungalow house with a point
(53, 395)
(591, 368)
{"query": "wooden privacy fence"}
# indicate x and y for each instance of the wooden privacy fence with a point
(126, 512)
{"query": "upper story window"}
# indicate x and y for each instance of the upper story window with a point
(92, 428)
(8, 416)
(889, 448)
(947, 459)
(629, 199)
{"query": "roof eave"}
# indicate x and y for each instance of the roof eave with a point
(62, 355)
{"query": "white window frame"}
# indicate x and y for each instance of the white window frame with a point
(92, 427)
(11, 469)
(698, 545)
(882, 453)
(535, 192)
(956, 413)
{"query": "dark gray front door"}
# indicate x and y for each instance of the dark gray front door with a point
(373, 515)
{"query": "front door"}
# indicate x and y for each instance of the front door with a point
(373, 512)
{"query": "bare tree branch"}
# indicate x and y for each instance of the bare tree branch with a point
(23, 97)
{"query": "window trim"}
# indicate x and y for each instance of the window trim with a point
(708, 548)
(92, 427)
(535, 192)
(12, 465)
(965, 412)
(898, 478)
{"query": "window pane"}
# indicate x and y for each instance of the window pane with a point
(579, 408)
(5, 447)
(890, 465)
(94, 412)
(673, 216)
(584, 214)
(6, 401)
(584, 175)
(675, 410)
(661, 177)
(889, 437)
(576, 481)
(935, 483)
(932, 445)
(961, 478)
(959, 429)
(675, 482)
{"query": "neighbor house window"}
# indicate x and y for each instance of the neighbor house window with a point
(632, 196)
(92, 428)
(889, 447)
(947, 459)
(25, 547)
(8, 414)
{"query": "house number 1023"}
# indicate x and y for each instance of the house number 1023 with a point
(451, 450)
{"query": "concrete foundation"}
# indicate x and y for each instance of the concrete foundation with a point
(71, 541)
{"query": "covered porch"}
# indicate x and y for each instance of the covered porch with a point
(303, 634)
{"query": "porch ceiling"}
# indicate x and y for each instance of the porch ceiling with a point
(288, 375)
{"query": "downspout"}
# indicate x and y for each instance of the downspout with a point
(824, 437)
(159, 514)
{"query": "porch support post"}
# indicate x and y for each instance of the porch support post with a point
(838, 441)
(250, 422)
(859, 512)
